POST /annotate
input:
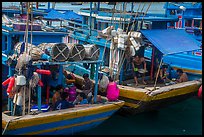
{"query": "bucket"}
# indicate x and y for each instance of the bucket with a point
(44, 108)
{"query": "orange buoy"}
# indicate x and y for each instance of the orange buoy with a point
(11, 84)
(43, 71)
(6, 82)
(200, 92)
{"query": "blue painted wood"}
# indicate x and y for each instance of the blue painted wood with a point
(96, 81)
(65, 123)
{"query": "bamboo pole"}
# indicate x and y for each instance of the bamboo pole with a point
(29, 96)
(158, 73)
(24, 100)
(14, 109)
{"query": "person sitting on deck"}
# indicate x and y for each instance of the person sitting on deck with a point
(63, 103)
(56, 96)
(139, 64)
(103, 83)
(182, 76)
(82, 98)
(70, 78)
(163, 75)
(87, 86)
(112, 90)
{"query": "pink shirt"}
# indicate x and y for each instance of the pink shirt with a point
(112, 91)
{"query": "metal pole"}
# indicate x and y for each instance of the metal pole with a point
(152, 65)
(48, 6)
(92, 71)
(90, 17)
(96, 83)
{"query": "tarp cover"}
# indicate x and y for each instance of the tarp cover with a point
(70, 15)
(54, 15)
(171, 41)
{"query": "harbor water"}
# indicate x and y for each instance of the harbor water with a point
(184, 118)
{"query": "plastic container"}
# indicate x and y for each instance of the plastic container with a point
(44, 108)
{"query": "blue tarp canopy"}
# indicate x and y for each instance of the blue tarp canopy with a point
(70, 15)
(54, 15)
(171, 41)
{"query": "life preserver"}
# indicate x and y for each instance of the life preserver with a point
(200, 92)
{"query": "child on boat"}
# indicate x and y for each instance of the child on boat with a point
(82, 98)
(112, 90)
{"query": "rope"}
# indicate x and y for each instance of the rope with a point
(145, 13)
(129, 21)
(124, 11)
(8, 124)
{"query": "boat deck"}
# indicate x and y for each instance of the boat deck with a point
(150, 83)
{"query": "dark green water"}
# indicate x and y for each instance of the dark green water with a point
(184, 118)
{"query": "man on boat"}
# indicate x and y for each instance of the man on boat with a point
(139, 67)
(63, 103)
(87, 86)
(182, 76)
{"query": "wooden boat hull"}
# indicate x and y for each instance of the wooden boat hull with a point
(67, 121)
(143, 99)
(138, 100)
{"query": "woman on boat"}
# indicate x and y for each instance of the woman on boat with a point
(138, 64)
(182, 76)
(112, 90)
(163, 75)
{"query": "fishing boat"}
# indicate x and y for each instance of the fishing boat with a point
(143, 97)
(67, 121)
(36, 117)
(141, 19)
